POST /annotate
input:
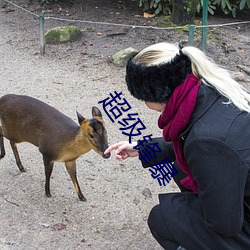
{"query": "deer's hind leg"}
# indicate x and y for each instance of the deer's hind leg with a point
(1, 144)
(48, 164)
(15, 151)
(71, 168)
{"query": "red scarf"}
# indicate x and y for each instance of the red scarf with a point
(174, 119)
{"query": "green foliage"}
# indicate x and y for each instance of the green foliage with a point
(211, 7)
(157, 6)
(165, 6)
(244, 4)
(226, 6)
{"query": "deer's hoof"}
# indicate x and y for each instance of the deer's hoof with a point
(82, 198)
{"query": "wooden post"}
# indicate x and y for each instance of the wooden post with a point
(204, 23)
(2, 3)
(42, 31)
(191, 35)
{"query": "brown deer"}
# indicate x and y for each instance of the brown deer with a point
(59, 138)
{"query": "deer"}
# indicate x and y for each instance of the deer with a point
(58, 138)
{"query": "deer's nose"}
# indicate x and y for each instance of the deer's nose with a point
(106, 156)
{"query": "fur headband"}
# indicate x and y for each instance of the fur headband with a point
(156, 83)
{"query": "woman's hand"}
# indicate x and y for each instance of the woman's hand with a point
(123, 150)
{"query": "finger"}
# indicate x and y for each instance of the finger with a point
(108, 150)
(126, 147)
(124, 157)
(121, 157)
(121, 148)
(112, 147)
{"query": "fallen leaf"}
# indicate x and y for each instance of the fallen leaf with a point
(147, 15)
(58, 227)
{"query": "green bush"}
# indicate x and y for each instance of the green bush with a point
(165, 6)
(156, 6)
(211, 7)
(232, 6)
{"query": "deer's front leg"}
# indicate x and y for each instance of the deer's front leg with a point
(71, 168)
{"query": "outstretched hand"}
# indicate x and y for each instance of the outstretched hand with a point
(123, 150)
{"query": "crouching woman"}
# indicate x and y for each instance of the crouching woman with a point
(205, 120)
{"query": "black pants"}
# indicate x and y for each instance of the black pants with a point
(156, 221)
(160, 231)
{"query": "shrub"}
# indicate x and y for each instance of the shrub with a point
(156, 6)
(165, 6)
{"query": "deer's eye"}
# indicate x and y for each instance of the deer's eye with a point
(91, 136)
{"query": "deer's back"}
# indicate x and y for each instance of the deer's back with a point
(24, 118)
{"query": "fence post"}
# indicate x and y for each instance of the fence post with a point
(204, 24)
(42, 31)
(2, 3)
(191, 35)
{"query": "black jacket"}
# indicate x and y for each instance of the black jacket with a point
(216, 145)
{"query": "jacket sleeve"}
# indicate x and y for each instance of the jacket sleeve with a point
(220, 173)
(166, 151)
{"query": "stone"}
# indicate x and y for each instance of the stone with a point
(239, 76)
(147, 193)
(63, 34)
(121, 58)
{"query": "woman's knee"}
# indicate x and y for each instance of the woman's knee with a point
(154, 217)
(156, 223)
(159, 229)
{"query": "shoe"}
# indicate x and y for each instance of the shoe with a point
(181, 248)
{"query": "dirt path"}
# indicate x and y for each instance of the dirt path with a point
(75, 77)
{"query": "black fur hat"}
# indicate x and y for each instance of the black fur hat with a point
(156, 83)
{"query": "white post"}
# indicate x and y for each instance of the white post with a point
(2, 3)
(42, 30)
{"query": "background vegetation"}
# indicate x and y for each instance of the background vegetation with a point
(165, 6)
(226, 6)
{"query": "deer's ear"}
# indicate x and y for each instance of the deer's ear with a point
(80, 118)
(96, 112)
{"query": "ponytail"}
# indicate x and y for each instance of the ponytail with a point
(218, 78)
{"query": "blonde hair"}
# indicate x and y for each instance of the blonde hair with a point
(202, 67)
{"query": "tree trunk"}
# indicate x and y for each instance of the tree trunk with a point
(183, 11)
